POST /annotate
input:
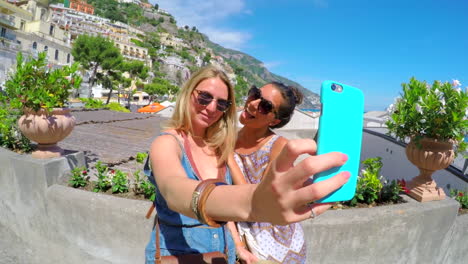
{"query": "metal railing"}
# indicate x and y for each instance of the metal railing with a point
(9, 44)
(7, 20)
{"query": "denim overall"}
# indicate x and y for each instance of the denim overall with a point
(180, 234)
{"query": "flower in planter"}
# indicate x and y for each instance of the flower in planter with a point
(438, 111)
(402, 184)
(35, 85)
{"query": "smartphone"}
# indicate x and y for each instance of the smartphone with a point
(340, 129)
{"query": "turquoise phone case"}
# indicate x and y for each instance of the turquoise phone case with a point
(340, 129)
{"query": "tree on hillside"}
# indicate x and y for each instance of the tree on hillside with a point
(155, 90)
(207, 58)
(94, 52)
(241, 89)
(137, 71)
(109, 80)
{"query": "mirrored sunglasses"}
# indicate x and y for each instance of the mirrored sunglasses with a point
(205, 98)
(265, 106)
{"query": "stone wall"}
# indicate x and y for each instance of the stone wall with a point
(42, 221)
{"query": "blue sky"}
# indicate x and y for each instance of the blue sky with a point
(374, 45)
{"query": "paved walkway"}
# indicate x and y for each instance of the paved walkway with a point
(112, 137)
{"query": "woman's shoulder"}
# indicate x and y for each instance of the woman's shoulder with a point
(167, 139)
(278, 145)
(280, 140)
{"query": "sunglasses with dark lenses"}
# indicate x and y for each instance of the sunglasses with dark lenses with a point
(265, 106)
(205, 98)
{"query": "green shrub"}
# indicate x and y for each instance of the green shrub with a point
(10, 135)
(148, 190)
(119, 182)
(104, 181)
(143, 187)
(141, 157)
(114, 106)
(368, 185)
(91, 103)
(461, 197)
(34, 84)
(79, 177)
(371, 188)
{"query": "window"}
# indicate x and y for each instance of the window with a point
(46, 48)
(43, 14)
(51, 30)
(56, 54)
(68, 58)
(34, 45)
(22, 25)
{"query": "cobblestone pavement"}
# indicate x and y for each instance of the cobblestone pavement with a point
(112, 137)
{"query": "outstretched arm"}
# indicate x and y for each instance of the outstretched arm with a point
(280, 198)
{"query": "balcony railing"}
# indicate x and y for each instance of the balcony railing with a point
(7, 20)
(9, 44)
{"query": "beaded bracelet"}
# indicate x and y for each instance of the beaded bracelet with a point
(199, 197)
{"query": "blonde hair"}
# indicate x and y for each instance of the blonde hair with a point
(221, 136)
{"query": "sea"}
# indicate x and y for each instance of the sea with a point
(310, 109)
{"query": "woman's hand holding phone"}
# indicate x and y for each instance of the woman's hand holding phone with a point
(284, 194)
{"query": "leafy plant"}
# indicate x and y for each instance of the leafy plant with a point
(461, 197)
(79, 177)
(114, 106)
(372, 188)
(368, 185)
(438, 111)
(391, 192)
(35, 85)
(104, 181)
(141, 157)
(119, 182)
(143, 187)
(10, 135)
(137, 182)
(91, 103)
(148, 190)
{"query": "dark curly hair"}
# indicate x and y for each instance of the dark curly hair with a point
(292, 97)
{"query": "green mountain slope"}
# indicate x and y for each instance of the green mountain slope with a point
(253, 70)
(250, 69)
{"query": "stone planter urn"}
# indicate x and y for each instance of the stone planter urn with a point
(46, 130)
(432, 155)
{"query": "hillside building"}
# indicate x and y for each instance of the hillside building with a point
(79, 23)
(146, 5)
(169, 40)
(25, 27)
(12, 18)
(80, 6)
(137, 2)
(38, 33)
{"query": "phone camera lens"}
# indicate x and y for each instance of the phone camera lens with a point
(337, 88)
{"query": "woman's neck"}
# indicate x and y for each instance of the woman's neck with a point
(253, 136)
(198, 134)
